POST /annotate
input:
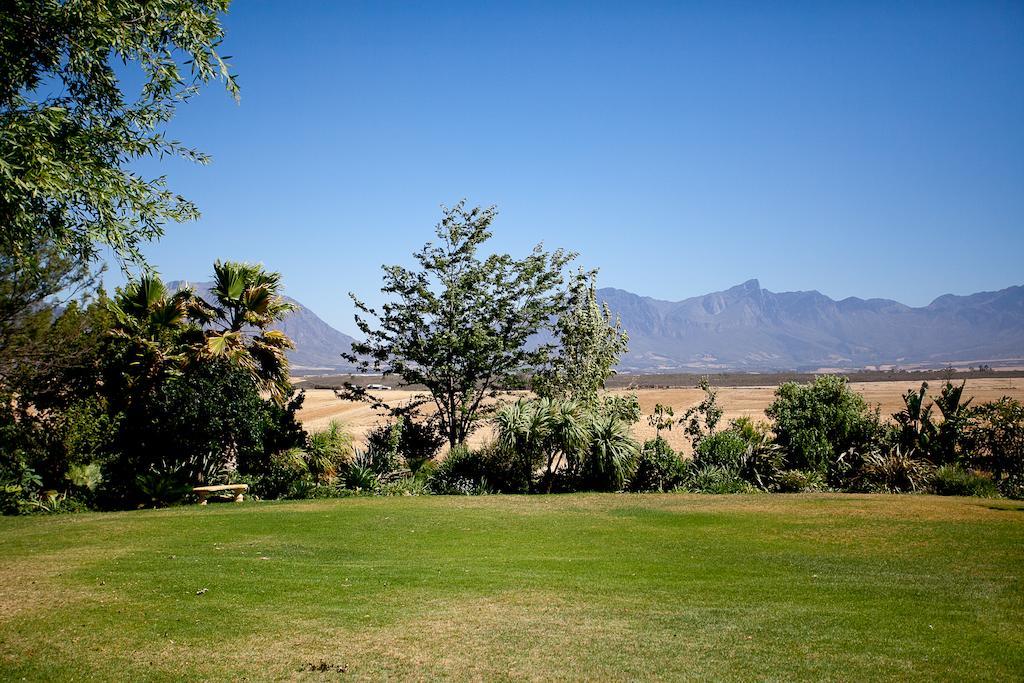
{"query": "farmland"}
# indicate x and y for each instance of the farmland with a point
(322, 406)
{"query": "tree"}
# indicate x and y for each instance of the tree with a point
(663, 417)
(590, 342)
(69, 132)
(947, 444)
(543, 433)
(246, 302)
(460, 324)
(611, 458)
(163, 331)
(996, 437)
(149, 335)
(188, 427)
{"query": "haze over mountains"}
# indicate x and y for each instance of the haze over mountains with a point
(748, 328)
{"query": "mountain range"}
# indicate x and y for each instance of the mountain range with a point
(750, 329)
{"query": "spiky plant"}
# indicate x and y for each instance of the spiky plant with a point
(611, 457)
(915, 420)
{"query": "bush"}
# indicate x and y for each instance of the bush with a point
(611, 457)
(415, 442)
(1012, 487)
(715, 479)
(723, 449)
(328, 453)
(501, 470)
(995, 435)
(658, 467)
(19, 484)
(892, 471)
(953, 480)
(280, 476)
(460, 472)
(816, 423)
(406, 486)
(213, 410)
(797, 481)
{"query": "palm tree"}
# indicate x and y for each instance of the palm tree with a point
(153, 323)
(246, 303)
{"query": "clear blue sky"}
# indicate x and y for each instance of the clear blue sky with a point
(861, 149)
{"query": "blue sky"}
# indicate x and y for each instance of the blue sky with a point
(860, 149)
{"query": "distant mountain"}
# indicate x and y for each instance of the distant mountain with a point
(750, 328)
(318, 346)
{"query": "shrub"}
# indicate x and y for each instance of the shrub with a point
(416, 442)
(501, 470)
(280, 475)
(892, 471)
(658, 467)
(406, 486)
(306, 488)
(624, 407)
(715, 479)
(385, 464)
(328, 453)
(611, 458)
(19, 484)
(164, 483)
(722, 449)
(996, 437)
(953, 480)
(1012, 487)
(461, 471)
(213, 410)
(540, 434)
(700, 421)
(797, 481)
(816, 423)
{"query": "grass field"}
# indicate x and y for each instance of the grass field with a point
(546, 587)
(322, 405)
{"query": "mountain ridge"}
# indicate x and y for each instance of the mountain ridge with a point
(747, 327)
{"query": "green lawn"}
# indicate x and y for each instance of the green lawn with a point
(574, 586)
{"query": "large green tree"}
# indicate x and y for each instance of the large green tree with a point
(71, 129)
(461, 324)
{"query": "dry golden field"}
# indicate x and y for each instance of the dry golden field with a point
(322, 406)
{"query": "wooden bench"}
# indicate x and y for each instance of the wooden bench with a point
(204, 492)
